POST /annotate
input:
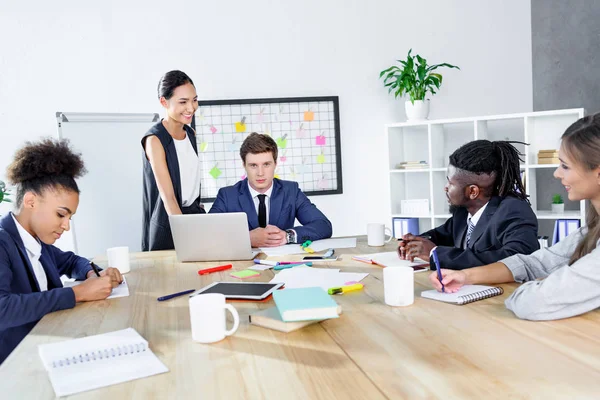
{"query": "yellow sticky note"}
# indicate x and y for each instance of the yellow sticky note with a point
(203, 146)
(277, 176)
(309, 115)
(321, 158)
(240, 127)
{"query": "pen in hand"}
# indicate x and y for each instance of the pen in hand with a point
(95, 268)
(438, 269)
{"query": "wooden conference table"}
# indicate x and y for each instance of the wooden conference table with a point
(373, 351)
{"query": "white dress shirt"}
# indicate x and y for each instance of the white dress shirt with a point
(255, 194)
(34, 251)
(189, 171)
(474, 219)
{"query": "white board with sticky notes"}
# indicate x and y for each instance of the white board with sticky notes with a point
(306, 130)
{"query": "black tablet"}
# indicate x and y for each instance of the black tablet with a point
(240, 290)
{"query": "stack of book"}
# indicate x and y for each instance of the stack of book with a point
(548, 157)
(296, 308)
(412, 165)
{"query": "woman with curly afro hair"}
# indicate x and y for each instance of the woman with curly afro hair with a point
(44, 173)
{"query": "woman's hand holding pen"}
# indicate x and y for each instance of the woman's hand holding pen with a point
(98, 288)
(412, 246)
(452, 280)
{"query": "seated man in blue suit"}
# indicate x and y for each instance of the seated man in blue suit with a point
(272, 205)
(30, 266)
(491, 216)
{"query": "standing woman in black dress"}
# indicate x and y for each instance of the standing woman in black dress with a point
(171, 164)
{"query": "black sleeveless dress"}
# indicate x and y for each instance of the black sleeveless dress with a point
(156, 234)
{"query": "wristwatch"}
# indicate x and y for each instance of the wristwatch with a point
(290, 235)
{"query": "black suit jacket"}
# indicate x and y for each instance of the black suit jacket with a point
(508, 226)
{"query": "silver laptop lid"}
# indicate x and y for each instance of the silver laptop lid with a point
(211, 237)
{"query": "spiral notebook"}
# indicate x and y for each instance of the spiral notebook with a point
(466, 294)
(97, 361)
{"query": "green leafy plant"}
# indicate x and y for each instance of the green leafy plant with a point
(4, 193)
(415, 78)
(557, 199)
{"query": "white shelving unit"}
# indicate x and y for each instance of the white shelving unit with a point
(433, 141)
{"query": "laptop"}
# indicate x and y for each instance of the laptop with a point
(211, 237)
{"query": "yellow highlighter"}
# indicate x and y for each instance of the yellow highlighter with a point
(345, 289)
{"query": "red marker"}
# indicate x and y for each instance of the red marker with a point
(214, 269)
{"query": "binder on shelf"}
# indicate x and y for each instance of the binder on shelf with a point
(563, 228)
(402, 226)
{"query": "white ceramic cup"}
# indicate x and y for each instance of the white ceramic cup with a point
(398, 286)
(376, 234)
(118, 257)
(207, 315)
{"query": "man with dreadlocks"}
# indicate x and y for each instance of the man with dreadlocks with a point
(491, 216)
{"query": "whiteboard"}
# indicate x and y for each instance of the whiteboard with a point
(110, 203)
(306, 130)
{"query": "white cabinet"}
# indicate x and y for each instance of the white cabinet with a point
(433, 141)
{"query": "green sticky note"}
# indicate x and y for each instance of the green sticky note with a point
(282, 143)
(321, 158)
(215, 172)
(247, 273)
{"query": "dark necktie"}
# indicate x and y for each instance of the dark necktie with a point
(262, 211)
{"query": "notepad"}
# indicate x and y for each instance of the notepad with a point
(97, 361)
(120, 291)
(466, 294)
(391, 259)
(271, 319)
(304, 304)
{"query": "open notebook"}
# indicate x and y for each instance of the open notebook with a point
(466, 294)
(391, 259)
(97, 361)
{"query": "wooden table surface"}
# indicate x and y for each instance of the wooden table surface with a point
(373, 351)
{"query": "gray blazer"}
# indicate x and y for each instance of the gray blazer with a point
(565, 291)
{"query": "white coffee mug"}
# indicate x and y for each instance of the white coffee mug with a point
(207, 315)
(376, 234)
(118, 257)
(398, 286)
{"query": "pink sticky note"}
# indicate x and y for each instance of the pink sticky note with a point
(322, 184)
(213, 129)
(282, 159)
(301, 133)
(320, 140)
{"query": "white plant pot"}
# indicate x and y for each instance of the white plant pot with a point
(558, 208)
(418, 111)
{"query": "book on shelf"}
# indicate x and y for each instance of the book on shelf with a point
(271, 318)
(96, 361)
(412, 165)
(548, 160)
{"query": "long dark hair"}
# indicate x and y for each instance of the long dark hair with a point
(171, 81)
(48, 163)
(581, 142)
(500, 158)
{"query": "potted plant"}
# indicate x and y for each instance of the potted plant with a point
(4, 193)
(558, 205)
(415, 78)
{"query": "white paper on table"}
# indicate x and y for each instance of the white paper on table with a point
(301, 277)
(317, 245)
(120, 291)
(260, 267)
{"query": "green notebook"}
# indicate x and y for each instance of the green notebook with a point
(305, 304)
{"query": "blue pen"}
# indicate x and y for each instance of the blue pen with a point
(265, 262)
(285, 266)
(170, 296)
(437, 267)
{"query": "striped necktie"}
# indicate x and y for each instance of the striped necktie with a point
(469, 231)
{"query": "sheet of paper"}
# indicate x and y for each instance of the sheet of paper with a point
(120, 291)
(260, 267)
(317, 245)
(301, 277)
